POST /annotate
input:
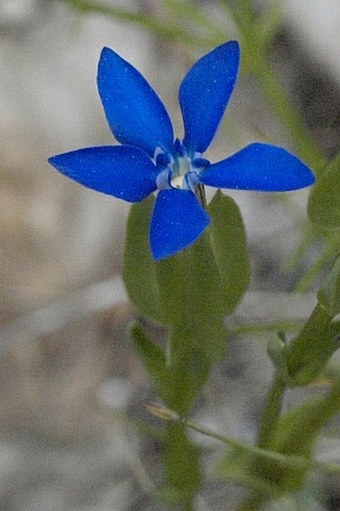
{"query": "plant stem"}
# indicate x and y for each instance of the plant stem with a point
(271, 412)
(287, 460)
(270, 417)
(157, 26)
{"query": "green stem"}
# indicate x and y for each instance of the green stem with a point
(286, 460)
(270, 418)
(271, 413)
(288, 325)
(160, 28)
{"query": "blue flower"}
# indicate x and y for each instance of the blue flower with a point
(149, 158)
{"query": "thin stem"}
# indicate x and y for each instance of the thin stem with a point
(290, 325)
(271, 412)
(161, 28)
(287, 460)
(269, 420)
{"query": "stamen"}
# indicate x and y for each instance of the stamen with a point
(192, 181)
(163, 180)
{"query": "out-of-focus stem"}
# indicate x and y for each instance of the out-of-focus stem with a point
(271, 413)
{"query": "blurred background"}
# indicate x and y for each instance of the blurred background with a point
(69, 376)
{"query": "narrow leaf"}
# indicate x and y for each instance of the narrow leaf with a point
(153, 359)
(192, 297)
(312, 348)
(329, 292)
(188, 368)
(238, 466)
(229, 244)
(324, 204)
(139, 271)
(296, 432)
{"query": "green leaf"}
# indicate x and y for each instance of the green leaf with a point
(309, 352)
(153, 359)
(294, 435)
(296, 432)
(188, 368)
(192, 298)
(229, 244)
(139, 271)
(297, 428)
(329, 292)
(238, 466)
(324, 203)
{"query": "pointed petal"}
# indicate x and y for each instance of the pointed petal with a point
(133, 110)
(205, 92)
(177, 221)
(260, 167)
(124, 172)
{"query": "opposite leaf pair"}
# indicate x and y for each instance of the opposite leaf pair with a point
(150, 159)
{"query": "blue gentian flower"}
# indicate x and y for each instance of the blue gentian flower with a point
(149, 158)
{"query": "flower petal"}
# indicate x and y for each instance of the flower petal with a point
(133, 110)
(204, 94)
(177, 221)
(122, 171)
(260, 167)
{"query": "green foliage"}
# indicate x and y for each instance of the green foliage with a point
(293, 437)
(226, 231)
(329, 292)
(303, 360)
(324, 204)
(191, 295)
(181, 461)
(277, 351)
(238, 466)
(139, 271)
(189, 368)
(312, 348)
(296, 432)
(153, 360)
